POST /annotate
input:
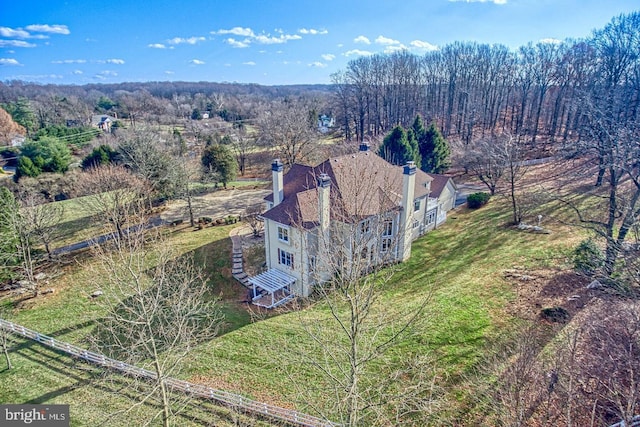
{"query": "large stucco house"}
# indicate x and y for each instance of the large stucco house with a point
(357, 205)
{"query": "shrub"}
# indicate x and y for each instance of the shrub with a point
(587, 257)
(476, 200)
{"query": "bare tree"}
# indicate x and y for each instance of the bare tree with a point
(252, 217)
(289, 129)
(352, 259)
(41, 218)
(157, 308)
(117, 196)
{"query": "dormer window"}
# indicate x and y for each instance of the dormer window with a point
(283, 234)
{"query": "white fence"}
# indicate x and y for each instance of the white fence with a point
(227, 399)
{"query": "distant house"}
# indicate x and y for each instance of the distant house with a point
(356, 207)
(205, 115)
(325, 123)
(102, 122)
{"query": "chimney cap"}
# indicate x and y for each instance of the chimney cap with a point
(324, 180)
(277, 166)
(409, 168)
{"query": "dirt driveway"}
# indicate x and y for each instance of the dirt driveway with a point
(218, 204)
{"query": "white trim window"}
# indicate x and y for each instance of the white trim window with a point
(431, 216)
(283, 234)
(385, 245)
(387, 227)
(416, 205)
(285, 258)
(365, 226)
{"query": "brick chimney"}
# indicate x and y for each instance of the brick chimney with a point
(278, 191)
(405, 232)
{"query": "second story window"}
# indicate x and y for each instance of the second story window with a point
(416, 205)
(387, 228)
(285, 258)
(365, 226)
(283, 234)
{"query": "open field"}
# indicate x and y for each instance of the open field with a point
(464, 269)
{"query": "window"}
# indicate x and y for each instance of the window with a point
(283, 234)
(285, 258)
(416, 223)
(387, 228)
(386, 245)
(364, 254)
(431, 217)
(416, 205)
(365, 226)
(312, 263)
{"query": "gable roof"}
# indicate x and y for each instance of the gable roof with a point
(362, 184)
(438, 184)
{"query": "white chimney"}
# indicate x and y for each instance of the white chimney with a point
(405, 232)
(278, 191)
(324, 188)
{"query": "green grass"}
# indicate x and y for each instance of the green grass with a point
(459, 266)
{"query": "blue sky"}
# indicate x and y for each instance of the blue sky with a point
(265, 42)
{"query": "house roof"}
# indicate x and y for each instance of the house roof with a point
(438, 184)
(362, 184)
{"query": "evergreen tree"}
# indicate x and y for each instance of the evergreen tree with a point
(219, 164)
(101, 155)
(434, 150)
(396, 148)
(48, 154)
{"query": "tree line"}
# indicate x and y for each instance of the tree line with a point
(471, 89)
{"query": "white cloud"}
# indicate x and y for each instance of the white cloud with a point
(169, 72)
(249, 63)
(237, 43)
(312, 31)
(54, 29)
(236, 31)
(77, 72)
(196, 62)
(394, 48)
(550, 40)
(282, 38)
(16, 43)
(157, 46)
(103, 75)
(70, 61)
(385, 41)
(480, 1)
(10, 32)
(318, 64)
(358, 52)
(362, 39)
(115, 61)
(9, 61)
(189, 40)
(423, 46)
(328, 57)
(264, 38)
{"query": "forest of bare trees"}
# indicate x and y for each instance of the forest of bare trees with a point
(471, 89)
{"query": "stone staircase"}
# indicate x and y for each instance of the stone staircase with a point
(237, 269)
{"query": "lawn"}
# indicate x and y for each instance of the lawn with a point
(459, 267)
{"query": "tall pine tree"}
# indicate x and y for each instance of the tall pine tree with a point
(397, 149)
(434, 149)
